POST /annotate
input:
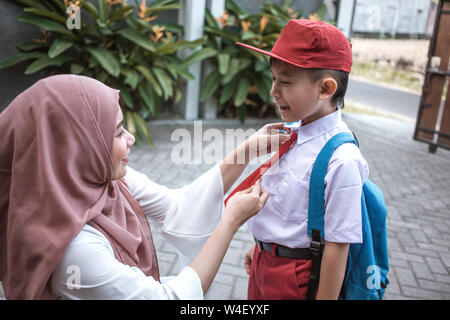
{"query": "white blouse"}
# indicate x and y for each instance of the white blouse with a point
(186, 216)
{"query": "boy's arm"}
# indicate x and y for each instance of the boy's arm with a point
(332, 270)
(258, 144)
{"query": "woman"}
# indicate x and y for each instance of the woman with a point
(73, 215)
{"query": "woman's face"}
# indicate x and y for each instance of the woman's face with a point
(123, 140)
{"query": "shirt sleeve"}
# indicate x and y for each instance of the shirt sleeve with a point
(89, 270)
(345, 176)
(187, 216)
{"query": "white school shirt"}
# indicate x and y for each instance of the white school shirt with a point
(186, 216)
(284, 217)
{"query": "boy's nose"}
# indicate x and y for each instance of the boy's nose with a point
(274, 92)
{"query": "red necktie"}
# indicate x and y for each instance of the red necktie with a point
(251, 179)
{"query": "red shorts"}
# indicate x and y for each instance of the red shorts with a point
(278, 278)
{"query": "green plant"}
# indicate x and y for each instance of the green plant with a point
(126, 51)
(242, 79)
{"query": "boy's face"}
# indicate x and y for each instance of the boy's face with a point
(296, 96)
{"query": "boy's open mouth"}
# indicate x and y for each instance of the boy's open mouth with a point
(284, 108)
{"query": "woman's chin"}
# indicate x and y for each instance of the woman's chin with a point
(120, 172)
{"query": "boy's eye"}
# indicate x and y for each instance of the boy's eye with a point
(281, 81)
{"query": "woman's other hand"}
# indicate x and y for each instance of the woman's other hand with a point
(245, 204)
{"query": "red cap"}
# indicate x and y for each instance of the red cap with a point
(311, 44)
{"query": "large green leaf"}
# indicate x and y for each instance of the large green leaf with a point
(59, 46)
(137, 38)
(127, 98)
(15, 59)
(120, 13)
(165, 81)
(150, 78)
(244, 63)
(142, 127)
(210, 85)
(227, 91)
(76, 68)
(223, 33)
(90, 8)
(106, 59)
(128, 117)
(103, 10)
(198, 56)
(232, 6)
(263, 90)
(46, 13)
(132, 79)
(47, 62)
(241, 92)
(249, 35)
(261, 65)
(33, 4)
(178, 45)
(30, 45)
(166, 48)
(233, 70)
(159, 7)
(224, 61)
(46, 24)
(185, 74)
(146, 93)
(210, 19)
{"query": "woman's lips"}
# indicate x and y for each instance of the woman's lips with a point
(125, 160)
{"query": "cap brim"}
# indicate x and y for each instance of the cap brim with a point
(270, 54)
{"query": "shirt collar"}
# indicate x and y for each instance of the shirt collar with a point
(318, 127)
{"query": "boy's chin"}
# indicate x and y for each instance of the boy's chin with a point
(289, 119)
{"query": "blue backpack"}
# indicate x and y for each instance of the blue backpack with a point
(367, 263)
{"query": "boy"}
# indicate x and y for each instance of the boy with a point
(310, 63)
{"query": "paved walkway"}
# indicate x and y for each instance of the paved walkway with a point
(416, 186)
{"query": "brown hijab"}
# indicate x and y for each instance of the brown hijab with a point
(55, 176)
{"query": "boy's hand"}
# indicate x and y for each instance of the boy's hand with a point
(265, 139)
(248, 258)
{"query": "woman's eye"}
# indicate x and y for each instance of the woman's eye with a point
(121, 133)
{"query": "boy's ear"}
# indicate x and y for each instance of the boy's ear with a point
(328, 88)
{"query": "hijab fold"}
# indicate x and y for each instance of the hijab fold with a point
(56, 175)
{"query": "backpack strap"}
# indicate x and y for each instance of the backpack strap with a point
(316, 210)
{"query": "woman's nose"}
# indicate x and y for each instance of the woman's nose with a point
(130, 139)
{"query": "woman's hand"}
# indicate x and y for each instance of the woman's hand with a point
(242, 206)
(264, 141)
(245, 204)
(267, 139)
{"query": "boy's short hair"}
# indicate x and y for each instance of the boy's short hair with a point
(341, 78)
(315, 74)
